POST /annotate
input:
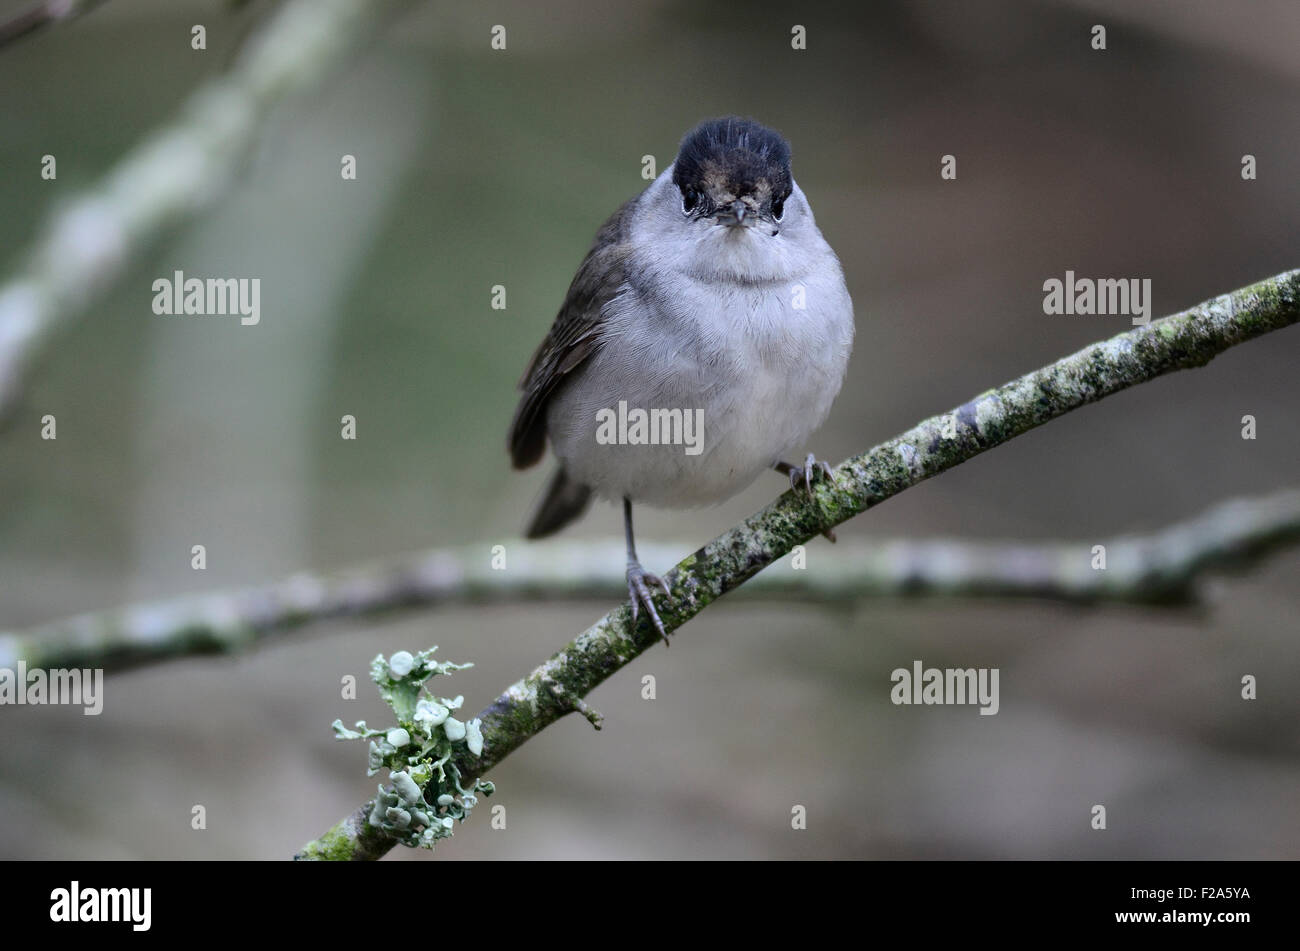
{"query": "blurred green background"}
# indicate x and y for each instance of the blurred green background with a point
(479, 167)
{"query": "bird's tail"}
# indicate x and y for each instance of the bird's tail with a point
(565, 500)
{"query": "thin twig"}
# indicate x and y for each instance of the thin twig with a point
(39, 15)
(170, 176)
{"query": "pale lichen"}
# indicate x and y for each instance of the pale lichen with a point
(426, 798)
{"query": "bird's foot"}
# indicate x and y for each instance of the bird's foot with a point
(639, 583)
(804, 476)
(811, 470)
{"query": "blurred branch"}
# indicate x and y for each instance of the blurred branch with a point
(176, 172)
(39, 15)
(1162, 568)
(1189, 339)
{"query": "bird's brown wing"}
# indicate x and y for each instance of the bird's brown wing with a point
(575, 336)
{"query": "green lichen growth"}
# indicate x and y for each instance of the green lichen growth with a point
(426, 797)
(334, 846)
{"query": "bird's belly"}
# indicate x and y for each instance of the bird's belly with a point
(748, 398)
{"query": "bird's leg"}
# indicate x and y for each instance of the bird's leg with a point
(804, 476)
(639, 581)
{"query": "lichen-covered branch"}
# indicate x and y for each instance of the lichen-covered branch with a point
(1189, 339)
(1162, 568)
(176, 172)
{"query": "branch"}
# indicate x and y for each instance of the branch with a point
(1162, 568)
(1189, 339)
(42, 14)
(173, 174)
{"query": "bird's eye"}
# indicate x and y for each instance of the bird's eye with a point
(778, 209)
(690, 198)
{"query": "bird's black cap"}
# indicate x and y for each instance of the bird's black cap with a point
(736, 156)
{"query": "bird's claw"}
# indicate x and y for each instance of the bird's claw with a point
(804, 476)
(639, 583)
(811, 470)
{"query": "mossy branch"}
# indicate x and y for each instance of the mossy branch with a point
(1188, 339)
(1163, 568)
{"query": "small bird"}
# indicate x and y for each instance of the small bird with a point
(703, 339)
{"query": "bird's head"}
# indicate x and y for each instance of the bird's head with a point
(734, 173)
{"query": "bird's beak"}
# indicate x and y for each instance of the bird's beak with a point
(736, 215)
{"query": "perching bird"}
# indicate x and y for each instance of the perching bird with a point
(701, 342)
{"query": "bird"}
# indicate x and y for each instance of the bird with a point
(702, 341)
